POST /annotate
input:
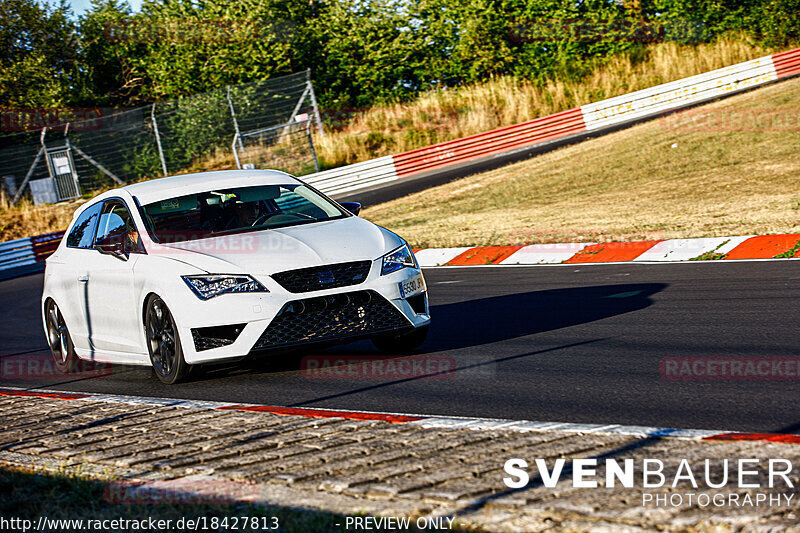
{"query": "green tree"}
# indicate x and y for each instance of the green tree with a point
(38, 54)
(777, 23)
(369, 51)
(108, 54)
(195, 46)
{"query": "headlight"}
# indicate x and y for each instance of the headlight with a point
(206, 287)
(396, 259)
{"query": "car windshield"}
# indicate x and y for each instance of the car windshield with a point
(226, 211)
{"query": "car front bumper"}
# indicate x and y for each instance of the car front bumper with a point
(232, 326)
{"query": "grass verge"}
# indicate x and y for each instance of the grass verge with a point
(727, 168)
(27, 220)
(453, 113)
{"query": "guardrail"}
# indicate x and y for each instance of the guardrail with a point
(25, 256)
(594, 117)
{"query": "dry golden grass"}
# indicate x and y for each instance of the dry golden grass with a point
(629, 185)
(26, 219)
(450, 114)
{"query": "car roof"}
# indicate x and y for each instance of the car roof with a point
(163, 188)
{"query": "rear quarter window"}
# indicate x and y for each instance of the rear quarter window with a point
(82, 233)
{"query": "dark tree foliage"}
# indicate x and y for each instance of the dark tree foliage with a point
(108, 77)
(39, 54)
(360, 51)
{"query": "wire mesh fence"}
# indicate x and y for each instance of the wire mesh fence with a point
(279, 147)
(265, 124)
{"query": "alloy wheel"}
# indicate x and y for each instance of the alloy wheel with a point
(161, 336)
(57, 333)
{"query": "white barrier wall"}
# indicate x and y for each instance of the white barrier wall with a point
(669, 96)
(610, 112)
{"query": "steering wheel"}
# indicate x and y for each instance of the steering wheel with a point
(304, 215)
(263, 218)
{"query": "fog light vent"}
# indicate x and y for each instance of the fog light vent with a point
(419, 303)
(215, 336)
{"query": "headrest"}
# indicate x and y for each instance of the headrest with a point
(261, 192)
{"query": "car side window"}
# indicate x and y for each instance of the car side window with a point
(82, 234)
(116, 225)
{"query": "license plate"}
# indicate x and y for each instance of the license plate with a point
(412, 286)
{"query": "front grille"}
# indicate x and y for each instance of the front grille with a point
(323, 277)
(332, 317)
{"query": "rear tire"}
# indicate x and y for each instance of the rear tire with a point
(163, 343)
(59, 339)
(400, 343)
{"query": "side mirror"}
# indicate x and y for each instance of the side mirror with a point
(111, 246)
(353, 207)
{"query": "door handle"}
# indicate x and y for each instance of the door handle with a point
(84, 278)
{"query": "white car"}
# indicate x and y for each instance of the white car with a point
(217, 266)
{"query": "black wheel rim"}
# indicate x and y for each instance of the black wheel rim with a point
(57, 334)
(161, 337)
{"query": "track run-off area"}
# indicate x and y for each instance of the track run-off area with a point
(594, 344)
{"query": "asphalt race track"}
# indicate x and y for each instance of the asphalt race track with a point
(563, 343)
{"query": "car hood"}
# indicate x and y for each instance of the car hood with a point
(275, 250)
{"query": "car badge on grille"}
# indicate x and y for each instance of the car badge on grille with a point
(326, 277)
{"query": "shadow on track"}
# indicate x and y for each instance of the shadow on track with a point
(499, 318)
(477, 322)
(455, 326)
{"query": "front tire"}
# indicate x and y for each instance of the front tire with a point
(163, 342)
(401, 343)
(59, 339)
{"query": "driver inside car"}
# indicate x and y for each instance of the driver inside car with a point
(247, 213)
(132, 242)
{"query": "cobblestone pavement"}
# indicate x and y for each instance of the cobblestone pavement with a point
(390, 469)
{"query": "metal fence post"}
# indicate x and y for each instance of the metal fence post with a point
(293, 116)
(158, 139)
(235, 122)
(268, 104)
(235, 152)
(311, 144)
(28, 176)
(317, 116)
(99, 167)
(42, 150)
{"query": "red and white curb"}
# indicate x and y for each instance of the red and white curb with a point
(426, 421)
(743, 247)
(25, 256)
